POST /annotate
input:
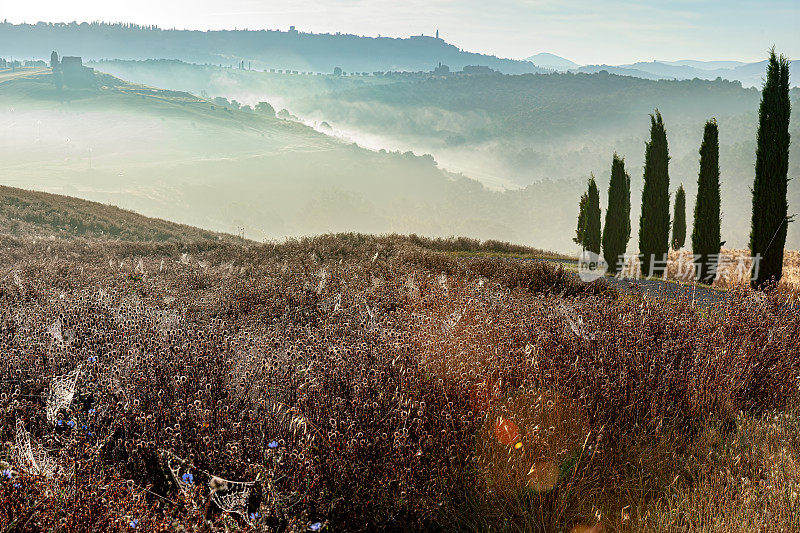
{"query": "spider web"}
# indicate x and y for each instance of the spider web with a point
(177, 468)
(68, 484)
(62, 390)
(31, 456)
(55, 332)
(231, 496)
(575, 322)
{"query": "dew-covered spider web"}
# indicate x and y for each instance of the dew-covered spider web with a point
(181, 473)
(62, 390)
(231, 496)
(575, 322)
(30, 456)
(55, 332)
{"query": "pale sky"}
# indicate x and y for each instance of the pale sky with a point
(585, 31)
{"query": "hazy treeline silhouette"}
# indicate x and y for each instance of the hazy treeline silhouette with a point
(261, 49)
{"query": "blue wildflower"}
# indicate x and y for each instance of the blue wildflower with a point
(316, 526)
(255, 515)
(84, 427)
(188, 478)
(134, 522)
(60, 422)
(71, 423)
(92, 359)
(92, 411)
(17, 485)
(7, 473)
(273, 444)
(90, 434)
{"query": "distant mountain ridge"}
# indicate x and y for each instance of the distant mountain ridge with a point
(705, 65)
(322, 53)
(552, 61)
(263, 49)
(749, 74)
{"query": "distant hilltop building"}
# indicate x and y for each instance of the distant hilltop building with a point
(441, 70)
(71, 72)
(71, 63)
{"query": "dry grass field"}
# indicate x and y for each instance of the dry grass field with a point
(363, 383)
(359, 383)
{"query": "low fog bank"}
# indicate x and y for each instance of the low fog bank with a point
(511, 132)
(262, 177)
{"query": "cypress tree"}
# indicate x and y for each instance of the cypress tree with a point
(679, 220)
(617, 229)
(591, 233)
(654, 221)
(770, 208)
(580, 230)
(706, 234)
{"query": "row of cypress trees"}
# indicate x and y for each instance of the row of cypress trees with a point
(770, 208)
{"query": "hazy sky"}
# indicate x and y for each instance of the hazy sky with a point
(586, 31)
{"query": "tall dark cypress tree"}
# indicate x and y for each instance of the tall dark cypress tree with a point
(679, 220)
(770, 208)
(591, 233)
(654, 221)
(617, 229)
(581, 229)
(706, 234)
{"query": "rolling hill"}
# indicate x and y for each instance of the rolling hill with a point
(171, 155)
(514, 131)
(310, 53)
(34, 214)
(260, 49)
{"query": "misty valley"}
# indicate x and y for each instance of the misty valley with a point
(364, 277)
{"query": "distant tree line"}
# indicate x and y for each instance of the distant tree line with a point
(769, 212)
(319, 52)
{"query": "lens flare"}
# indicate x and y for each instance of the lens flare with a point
(530, 440)
(543, 476)
(506, 431)
(583, 528)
